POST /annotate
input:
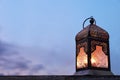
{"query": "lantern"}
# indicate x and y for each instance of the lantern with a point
(92, 48)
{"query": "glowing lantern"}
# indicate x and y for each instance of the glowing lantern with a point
(92, 48)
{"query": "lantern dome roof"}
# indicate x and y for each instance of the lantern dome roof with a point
(92, 31)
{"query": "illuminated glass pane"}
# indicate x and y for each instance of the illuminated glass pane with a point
(82, 59)
(98, 58)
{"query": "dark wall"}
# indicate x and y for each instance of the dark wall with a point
(60, 77)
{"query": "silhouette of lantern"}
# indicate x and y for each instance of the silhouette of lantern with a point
(92, 48)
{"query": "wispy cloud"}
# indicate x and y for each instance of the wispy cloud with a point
(14, 61)
(11, 63)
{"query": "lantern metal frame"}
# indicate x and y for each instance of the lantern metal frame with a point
(88, 40)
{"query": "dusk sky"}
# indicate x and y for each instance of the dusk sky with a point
(37, 37)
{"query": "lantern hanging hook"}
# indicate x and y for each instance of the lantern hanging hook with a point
(92, 20)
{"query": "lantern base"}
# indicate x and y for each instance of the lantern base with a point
(93, 72)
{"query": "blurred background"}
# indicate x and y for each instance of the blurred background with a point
(37, 37)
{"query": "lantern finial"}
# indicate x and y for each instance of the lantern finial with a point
(92, 20)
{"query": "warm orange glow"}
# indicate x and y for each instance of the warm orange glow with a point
(82, 59)
(98, 58)
(93, 61)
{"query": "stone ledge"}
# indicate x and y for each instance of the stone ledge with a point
(63, 77)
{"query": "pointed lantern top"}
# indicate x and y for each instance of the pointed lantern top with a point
(92, 30)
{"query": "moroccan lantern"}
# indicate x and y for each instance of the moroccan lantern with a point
(92, 50)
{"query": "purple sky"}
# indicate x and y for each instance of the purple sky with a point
(37, 37)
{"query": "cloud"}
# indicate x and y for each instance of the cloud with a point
(12, 63)
(17, 60)
(56, 61)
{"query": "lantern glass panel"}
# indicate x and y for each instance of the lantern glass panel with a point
(99, 58)
(82, 59)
